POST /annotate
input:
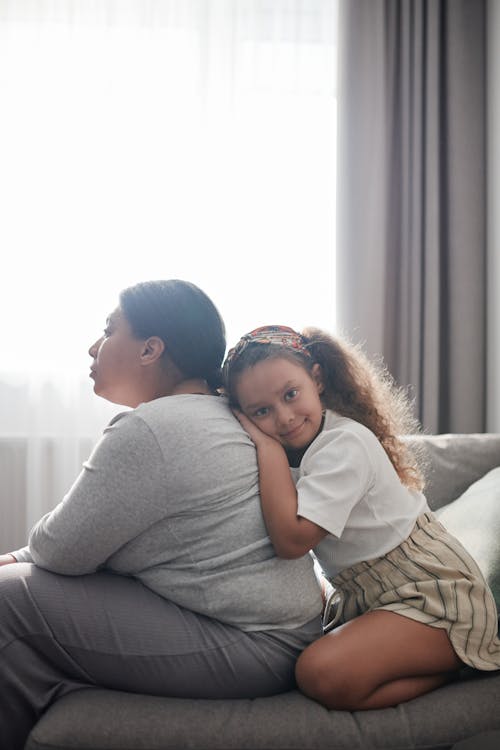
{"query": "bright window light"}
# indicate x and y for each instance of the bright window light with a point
(163, 140)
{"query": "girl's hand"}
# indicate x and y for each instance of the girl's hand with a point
(258, 437)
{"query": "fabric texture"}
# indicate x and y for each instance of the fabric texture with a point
(453, 462)
(431, 578)
(411, 214)
(170, 497)
(108, 720)
(347, 484)
(481, 741)
(59, 634)
(474, 518)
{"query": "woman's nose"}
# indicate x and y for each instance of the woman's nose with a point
(94, 348)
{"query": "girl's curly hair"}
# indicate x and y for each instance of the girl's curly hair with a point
(354, 387)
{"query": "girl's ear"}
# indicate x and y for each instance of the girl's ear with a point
(152, 350)
(317, 376)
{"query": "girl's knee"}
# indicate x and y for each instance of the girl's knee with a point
(327, 674)
(308, 674)
(321, 679)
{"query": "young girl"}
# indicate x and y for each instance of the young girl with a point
(412, 603)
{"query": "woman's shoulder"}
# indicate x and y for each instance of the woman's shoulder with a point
(185, 405)
(186, 412)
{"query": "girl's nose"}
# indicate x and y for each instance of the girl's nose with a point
(285, 414)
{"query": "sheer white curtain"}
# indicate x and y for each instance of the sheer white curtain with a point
(150, 139)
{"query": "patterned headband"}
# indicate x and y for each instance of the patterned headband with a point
(281, 335)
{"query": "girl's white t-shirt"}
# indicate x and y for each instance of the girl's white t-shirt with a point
(347, 485)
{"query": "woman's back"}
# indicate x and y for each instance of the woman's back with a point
(178, 478)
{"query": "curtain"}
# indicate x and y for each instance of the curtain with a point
(411, 213)
(150, 139)
(493, 265)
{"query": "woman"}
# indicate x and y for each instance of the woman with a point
(155, 573)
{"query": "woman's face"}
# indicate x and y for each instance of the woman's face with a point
(116, 368)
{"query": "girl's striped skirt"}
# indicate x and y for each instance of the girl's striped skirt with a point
(431, 578)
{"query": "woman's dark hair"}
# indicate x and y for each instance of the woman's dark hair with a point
(185, 319)
(354, 387)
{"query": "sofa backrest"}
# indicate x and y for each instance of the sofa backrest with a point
(454, 462)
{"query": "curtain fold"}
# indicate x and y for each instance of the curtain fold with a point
(411, 210)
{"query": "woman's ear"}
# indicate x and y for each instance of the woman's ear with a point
(317, 376)
(152, 350)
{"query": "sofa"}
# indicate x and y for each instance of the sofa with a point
(463, 486)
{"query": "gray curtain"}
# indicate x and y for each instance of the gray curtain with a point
(411, 213)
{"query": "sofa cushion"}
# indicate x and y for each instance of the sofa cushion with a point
(453, 462)
(474, 518)
(482, 741)
(110, 720)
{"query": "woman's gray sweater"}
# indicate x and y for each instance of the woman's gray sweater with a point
(170, 496)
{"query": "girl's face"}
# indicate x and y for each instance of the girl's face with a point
(283, 400)
(116, 369)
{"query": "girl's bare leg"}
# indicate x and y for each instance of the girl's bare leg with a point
(377, 660)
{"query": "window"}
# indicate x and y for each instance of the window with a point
(157, 139)
(164, 139)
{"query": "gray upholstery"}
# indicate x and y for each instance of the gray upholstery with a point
(107, 720)
(482, 741)
(453, 462)
(95, 719)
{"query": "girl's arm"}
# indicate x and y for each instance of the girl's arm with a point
(292, 536)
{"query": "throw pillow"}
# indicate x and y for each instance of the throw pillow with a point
(474, 518)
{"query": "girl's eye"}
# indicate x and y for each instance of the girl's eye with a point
(262, 412)
(291, 394)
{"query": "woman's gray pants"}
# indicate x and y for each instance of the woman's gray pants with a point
(61, 633)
